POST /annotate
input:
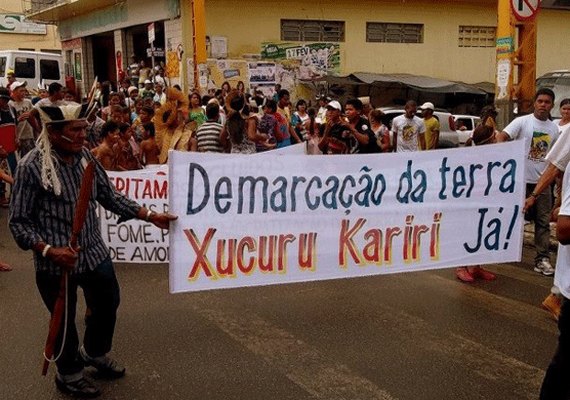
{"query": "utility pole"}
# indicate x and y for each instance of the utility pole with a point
(516, 57)
(199, 40)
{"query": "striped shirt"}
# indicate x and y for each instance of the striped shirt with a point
(38, 215)
(208, 137)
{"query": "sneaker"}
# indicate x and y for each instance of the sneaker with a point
(552, 304)
(80, 388)
(480, 273)
(544, 267)
(106, 367)
(463, 275)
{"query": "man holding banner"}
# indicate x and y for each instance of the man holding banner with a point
(540, 134)
(556, 384)
(43, 217)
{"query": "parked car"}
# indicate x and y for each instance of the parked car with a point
(448, 137)
(464, 125)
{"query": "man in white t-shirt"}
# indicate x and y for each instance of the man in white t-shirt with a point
(55, 99)
(409, 130)
(27, 125)
(558, 158)
(540, 134)
(556, 384)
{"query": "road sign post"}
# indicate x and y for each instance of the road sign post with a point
(524, 10)
(151, 39)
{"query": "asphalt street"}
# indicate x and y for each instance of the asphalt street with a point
(406, 336)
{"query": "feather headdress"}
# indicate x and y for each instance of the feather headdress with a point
(56, 115)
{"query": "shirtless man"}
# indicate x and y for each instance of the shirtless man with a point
(105, 152)
(127, 150)
(149, 148)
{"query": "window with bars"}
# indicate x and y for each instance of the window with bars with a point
(300, 30)
(388, 32)
(477, 36)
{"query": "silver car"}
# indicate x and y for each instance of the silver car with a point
(464, 124)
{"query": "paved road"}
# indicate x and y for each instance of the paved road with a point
(406, 336)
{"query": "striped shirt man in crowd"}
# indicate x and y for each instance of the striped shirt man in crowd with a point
(208, 135)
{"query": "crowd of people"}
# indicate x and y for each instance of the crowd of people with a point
(136, 124)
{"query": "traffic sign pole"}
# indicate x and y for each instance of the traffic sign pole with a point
(505, 63)
(525, 10)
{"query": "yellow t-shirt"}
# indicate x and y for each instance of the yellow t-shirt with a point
(432, 125)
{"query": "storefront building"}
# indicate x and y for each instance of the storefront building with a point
(447, 39)
(18, 33)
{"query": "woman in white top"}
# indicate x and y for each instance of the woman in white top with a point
(380, 130)
(563, 122)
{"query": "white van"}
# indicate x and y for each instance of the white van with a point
(33, 67)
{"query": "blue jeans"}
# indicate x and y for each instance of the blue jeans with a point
(102, 297)
(556, 385)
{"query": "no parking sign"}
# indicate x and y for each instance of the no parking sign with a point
(525, 9)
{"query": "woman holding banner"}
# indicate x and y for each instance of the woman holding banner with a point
(483, 134)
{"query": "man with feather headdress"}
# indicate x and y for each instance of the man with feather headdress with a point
(172, 131)
(42, 209)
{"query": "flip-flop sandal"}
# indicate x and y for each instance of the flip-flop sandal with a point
(5, 267)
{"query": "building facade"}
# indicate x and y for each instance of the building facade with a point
(447, 39)
(17, 33)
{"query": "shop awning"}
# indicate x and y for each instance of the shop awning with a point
(417, 82)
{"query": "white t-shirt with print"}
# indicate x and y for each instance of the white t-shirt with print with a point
(24, 129)
(559, 154)
(539, 137)
(562, 274)
(407, 130)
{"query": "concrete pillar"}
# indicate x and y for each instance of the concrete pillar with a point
(121, 55)
(174, 51)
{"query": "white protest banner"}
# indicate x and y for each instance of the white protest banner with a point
(298, 148)
(246, 221)
(140, 242)
(137, 241)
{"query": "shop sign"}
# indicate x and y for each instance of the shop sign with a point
(17, 23)
(155, 52)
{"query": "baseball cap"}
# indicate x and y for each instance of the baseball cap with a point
(427, 106)
(147, 81)
(4, 93)
(18, 84)
(334, 105)
(132, 89)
